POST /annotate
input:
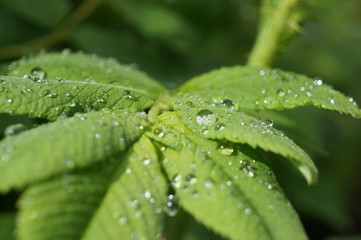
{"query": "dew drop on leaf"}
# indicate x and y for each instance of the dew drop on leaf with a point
(206, 117)
(269, 122)
(191, 179)
(146, 162)
(281, 92)
(14, 129)
(177, 181)
(219, 127)
(227, 103)
(37, 74)
(190, 104)
(127, 94)
(8, 100)
(147, 194)
(171, 207)
(159, 132)
(225, 150)
(123, 220)
(208, 183)
(248, 211)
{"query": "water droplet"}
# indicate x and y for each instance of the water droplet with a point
(262, 73)
(8, 100)
(123, 220)
(127, 94)
(147, 194)
(97, 135)
(159, 132)
(224, 149)
(219, 127)
(251, 174)
(14, 129)
(248, 211)
(281, 92)
(227, 103)
(191, 179)
(318, 82)
(69, 163)
(171, 207)
(208, 183)
(146, 162)
(37, 74)
(177, 181)
(269, 186)
(134, 203)
(190, 104)
(269, 122)
(259, 119)
(206, 117)
(332, 101)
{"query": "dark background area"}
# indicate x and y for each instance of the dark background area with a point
(173, 40)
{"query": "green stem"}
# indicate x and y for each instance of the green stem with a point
(58, 35)
(269, 35)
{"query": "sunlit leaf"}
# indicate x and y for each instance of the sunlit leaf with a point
(228, 191)
(84, 68)
(134, 203)
(66, 144)
(52, 99)
(221, 122)
(264, 88)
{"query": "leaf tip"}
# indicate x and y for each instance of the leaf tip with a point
(310, 173)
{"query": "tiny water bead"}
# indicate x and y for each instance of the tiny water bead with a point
(127, 94)
(206, 117)
(269, 122)
(227, 103)
(208, 183)
(225, 149)
(14, 129)
(171, 207)
(37, 74)
(219, 127)
(158, 132)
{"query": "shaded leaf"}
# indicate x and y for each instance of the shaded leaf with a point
(66, 144)
(60, 208)
(133, 205)
(7, 225)
(44, 13)
(158, 22)
(224, 123)
(264, 88)
(86, 68)
(242, 193)
(52, 99)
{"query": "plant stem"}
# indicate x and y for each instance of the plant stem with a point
(58, 35)
(269, 35)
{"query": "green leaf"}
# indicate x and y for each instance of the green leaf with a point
(66, 144)
(7, 225)
(61, 208)
(52, 99)
(264, 88)
(158, 22)
(133, 205)
(224, 123)
(44, 13)
(85, 68)
(229, 192)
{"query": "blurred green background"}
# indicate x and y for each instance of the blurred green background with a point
(173, 40)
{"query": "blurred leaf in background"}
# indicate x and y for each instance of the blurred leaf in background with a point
(174, 40)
